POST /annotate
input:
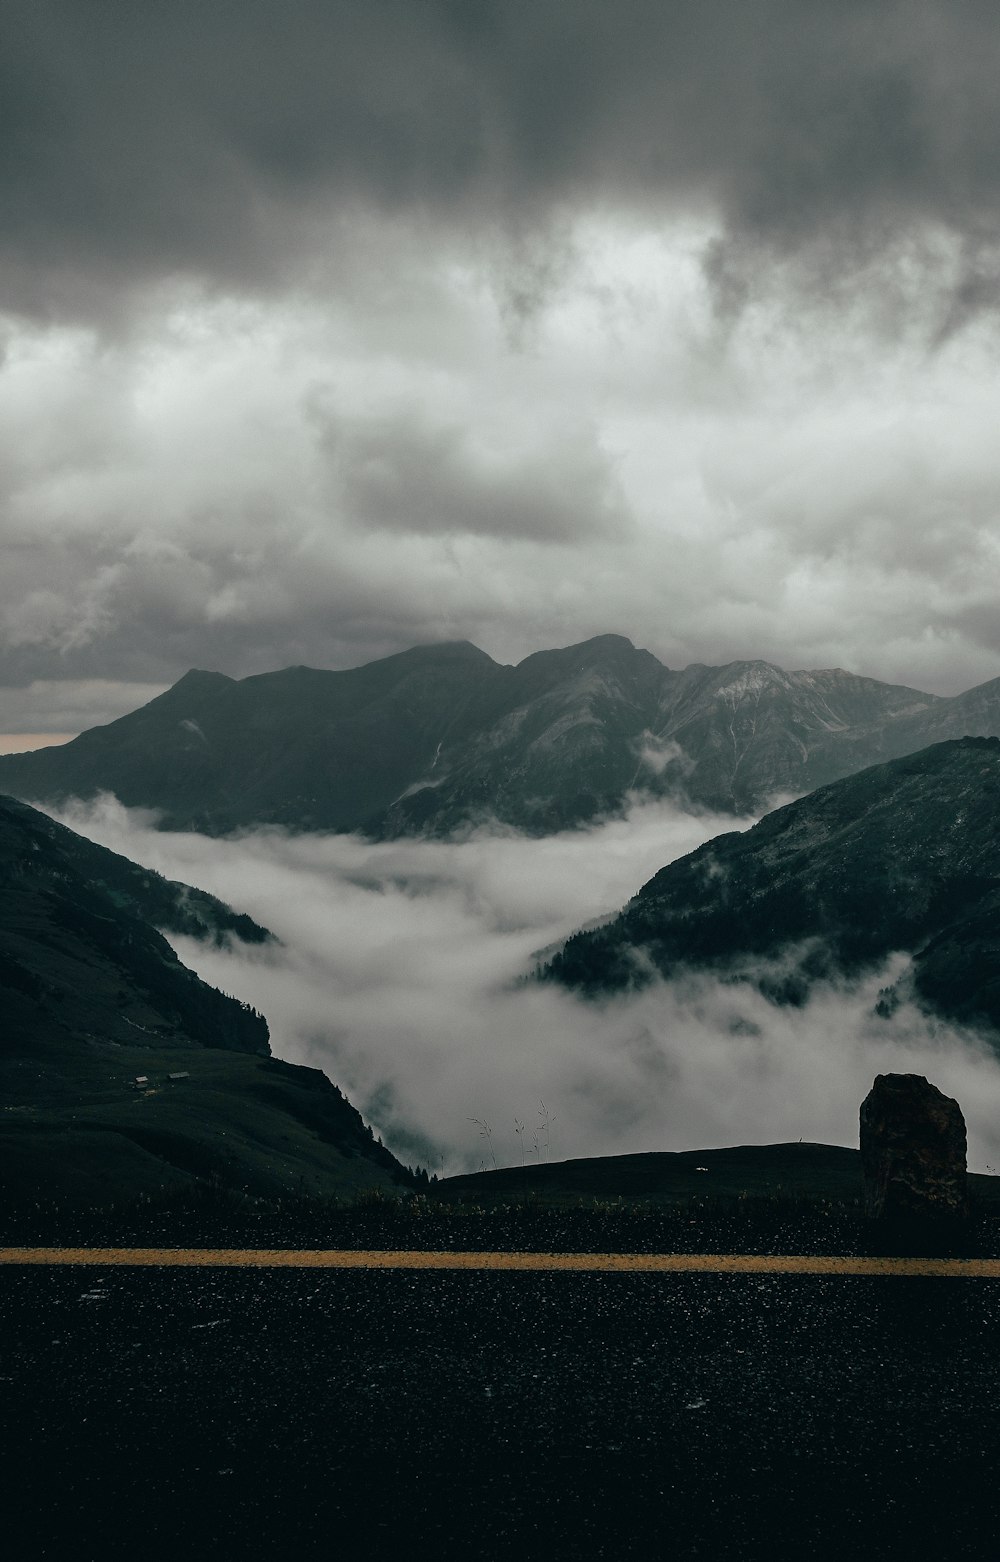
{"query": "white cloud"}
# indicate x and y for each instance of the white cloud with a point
(398, 976)
(245, 484)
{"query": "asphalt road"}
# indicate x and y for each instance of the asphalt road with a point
(224, 1413)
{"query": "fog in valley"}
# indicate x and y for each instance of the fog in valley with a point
(401, 970)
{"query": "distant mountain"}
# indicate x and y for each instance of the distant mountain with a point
(93, 997)
(441, 737)
(901, 857)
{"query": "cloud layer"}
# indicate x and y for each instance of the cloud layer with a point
(399, 976)
(331, 330)
(215, 141)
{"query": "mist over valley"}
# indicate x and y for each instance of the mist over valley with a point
(527, 911)
(403, 970)
(449, 476)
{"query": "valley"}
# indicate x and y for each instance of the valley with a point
(822, 945)
(124, 1076)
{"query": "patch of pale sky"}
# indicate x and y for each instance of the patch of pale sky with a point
(87, 701)
(26, 742)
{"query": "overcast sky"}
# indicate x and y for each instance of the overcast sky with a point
(333, 327)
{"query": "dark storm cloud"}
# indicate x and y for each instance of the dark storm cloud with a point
(376, 322)
(209, 137)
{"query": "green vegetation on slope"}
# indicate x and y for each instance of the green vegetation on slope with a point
(79, 959)
(904, 856)
(76, 1128)
(93, 998)
(141, 892)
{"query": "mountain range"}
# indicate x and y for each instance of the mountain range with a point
(903, 856)
(899, 855)
(439, 738)
(94, 999)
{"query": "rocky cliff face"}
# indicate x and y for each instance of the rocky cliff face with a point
(901, 857)
(442, 737)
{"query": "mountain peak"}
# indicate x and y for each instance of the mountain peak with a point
(605, 645)
(747, 677)
(449, 651)
(585, 653)
(199, 678)
(608, 642)
(435, 736)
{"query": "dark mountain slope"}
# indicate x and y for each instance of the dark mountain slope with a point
(301, 747)
(551, 743)
(79, 955)
(974, 714)
(903, 856)
(755, 731)
(441, 737)
(165, 903)
(92, 996)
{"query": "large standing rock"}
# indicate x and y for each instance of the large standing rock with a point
(913, 1151)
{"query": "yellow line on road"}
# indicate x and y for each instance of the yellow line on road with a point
(606, 1263)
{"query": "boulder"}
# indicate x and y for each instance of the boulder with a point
(913, 1152)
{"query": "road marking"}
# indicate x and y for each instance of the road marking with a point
(604, 1263)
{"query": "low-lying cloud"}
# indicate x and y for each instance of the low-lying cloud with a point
(399, 974)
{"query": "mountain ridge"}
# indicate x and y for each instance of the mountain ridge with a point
(900, 857)
(441, 738)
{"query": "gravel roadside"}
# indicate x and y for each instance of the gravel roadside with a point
(311, 1413)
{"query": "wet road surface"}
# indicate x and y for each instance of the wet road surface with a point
(290, 1412)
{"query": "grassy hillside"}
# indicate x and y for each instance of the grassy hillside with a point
(75, 1127)
(797, 1170)
(92, 996)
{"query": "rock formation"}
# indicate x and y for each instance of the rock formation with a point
(913, 1152)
